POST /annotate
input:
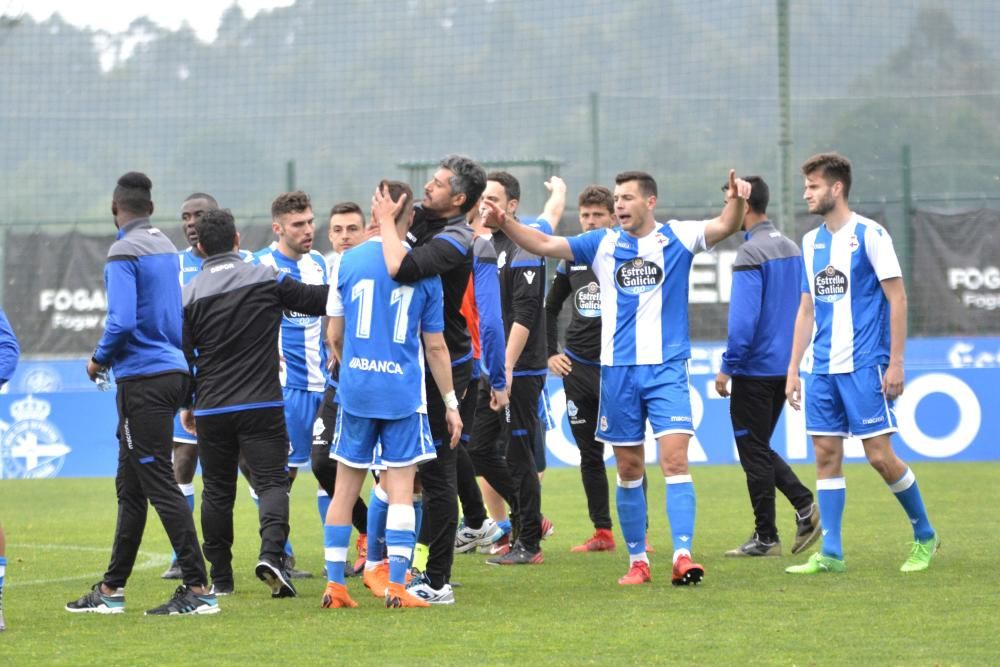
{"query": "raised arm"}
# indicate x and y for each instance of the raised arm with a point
(531, 240)
(384, 211)
(556, 203)
(729, 221)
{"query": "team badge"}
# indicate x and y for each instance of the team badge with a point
(31, 447)
(604, 423)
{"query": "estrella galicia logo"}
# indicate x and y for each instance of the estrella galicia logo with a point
(299, 319)
(637, 276)
(830, 285)
(587, 300)
(31, 447)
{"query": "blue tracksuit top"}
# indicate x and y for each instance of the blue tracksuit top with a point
(767, 278)
(9, 349)
(142, 335)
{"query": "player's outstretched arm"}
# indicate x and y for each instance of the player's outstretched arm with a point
(895, 293)
(531, 240)
(556, 203)
(800, 341)
(729, 221)
(439, 361)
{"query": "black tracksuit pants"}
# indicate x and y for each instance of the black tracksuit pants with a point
(146, 409)
(583, 389)
(755, 407)
(511, 470)
(438, 478)
(258, 435)
(324, 468)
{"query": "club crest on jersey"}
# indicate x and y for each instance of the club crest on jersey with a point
(604, 423)
(637, 276)
(852, 243)
(830, 285)
(587, 300)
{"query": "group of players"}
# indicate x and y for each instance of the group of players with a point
(442, 334)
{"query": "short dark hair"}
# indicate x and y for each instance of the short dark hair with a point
(647, 185)
(760, 194)
(216, 231)
(202, 195)
(511, 186)
(833, 167)
(468, 178)
(396, 190)
(345, 207)
(133, 193)
(290, 202)
(597, 195)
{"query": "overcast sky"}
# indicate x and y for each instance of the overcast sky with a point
(115, 15)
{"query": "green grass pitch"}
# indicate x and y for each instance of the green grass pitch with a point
(567, 611)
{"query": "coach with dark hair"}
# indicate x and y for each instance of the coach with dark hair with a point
(232, 316)
(142, 345)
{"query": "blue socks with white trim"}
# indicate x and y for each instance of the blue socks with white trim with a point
(831, 494)
(908, 495)
(632, 517)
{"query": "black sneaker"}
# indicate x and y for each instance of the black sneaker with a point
(173, 572)
(96, 602)
(277, 580)
(756, 547)
(293, 573)
(185, 601)
(807, 528)
(222, 588)
(518, 555)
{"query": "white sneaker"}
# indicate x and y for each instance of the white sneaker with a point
(422, 589)
(467, 539)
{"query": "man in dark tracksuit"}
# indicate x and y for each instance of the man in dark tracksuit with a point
(514, 473)
(579, 364)
(142, 345)
(232, 316)
(767, 278)
(442, 243)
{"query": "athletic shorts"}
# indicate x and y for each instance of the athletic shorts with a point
(301, 408)
(365, 442)
(848, 404)
(632, 394)
(182, 437)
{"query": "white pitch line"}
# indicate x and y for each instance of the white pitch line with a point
(144, 561)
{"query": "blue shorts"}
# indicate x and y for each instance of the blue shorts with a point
(182, 437)
(301, 408)
(632, 394)
(849, 404)
(364, 442)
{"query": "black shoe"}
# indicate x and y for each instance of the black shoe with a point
(756, 547)
(222, 588)
(349, 570)
(185, 601)
(173, 572)
(97, 602)
(807, 529)
(518, 555)
(276, 579)
(294, 573)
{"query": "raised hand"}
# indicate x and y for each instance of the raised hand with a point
(737, 187)
(385, 208)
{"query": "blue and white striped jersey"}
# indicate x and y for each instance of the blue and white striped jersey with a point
(190, 263)
(644, 290)
(843, 273)
(301, 342)
(382, 374)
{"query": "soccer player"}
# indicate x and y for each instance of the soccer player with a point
(347, 229)
(853, 311)
(441, 240)
(767, 275)
(578, 364)
(185, 444)
(643, 267)
(142, 345)
(378, 324)
(512, 469)
(304, 356)
(9, 352)
(232, 312)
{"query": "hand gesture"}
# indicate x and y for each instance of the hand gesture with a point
(493, 216)
(385, 208)
(722, 384)
(737, 187)
(556, 184)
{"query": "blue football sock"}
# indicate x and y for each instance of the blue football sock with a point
(399, 540)
(378, 508)
(322, 504)
(680, 510)
(908, 495)
(632, 515)
(831, 494)
(335, 539)
(504, 526)
(3, 570)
